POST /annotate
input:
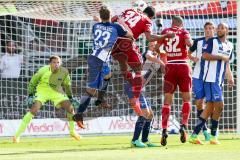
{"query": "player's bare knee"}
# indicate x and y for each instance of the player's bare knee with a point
(186, 96)
(145, 113)
(199, 104)
(108, 76)
(150, 116)
(35, 107)
(67, 106)
(91, 91)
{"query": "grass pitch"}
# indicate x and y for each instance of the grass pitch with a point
(116, 148)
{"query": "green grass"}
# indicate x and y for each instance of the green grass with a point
(116, 148)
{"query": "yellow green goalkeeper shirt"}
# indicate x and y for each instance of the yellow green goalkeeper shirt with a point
(44, 78)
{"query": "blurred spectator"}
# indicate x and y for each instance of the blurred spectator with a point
(11, 62)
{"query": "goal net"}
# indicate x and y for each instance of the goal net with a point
(63, 27)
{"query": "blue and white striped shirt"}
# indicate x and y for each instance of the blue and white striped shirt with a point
(104, 37)
(198, 49)
(214, 71)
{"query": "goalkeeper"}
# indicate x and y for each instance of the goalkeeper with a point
(46, 85)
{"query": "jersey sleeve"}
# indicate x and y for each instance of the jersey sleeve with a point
(186, 34)
(120, 30)
(148, 27)
(194, 46)
(67, 85)
(208, 47)
(162, 33)
(34, 80)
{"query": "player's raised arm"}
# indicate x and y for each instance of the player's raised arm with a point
(68, 87)
(191, 50)
(150, 12)
(207, 50)
(151, 57)
(153, 37)
(188, 40)
(229, 76)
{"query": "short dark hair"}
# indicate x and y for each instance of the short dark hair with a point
(224, 24)
(104, 13)
(149, 11)
(209, 24)
(54, 57)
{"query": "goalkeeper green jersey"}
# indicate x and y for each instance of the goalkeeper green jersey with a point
(45, 78)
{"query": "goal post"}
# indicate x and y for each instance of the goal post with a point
(63, 27)
(238, 66)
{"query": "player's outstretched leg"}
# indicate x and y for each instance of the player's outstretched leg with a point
(164, 137)
(137, 131)
(199, 104)
(26, 120)
(66, 104)
(186, 108)
(194, 137)
(78, 118)
(148, 113)
(101, 102)
(145, 133)
(165, 116)
(72, 132)
(84, 103)
(213, 138)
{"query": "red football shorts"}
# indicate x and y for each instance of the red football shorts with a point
(177, 75)
(126, 51)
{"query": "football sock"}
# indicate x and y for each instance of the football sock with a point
(84, 102)
(186, 108)
(214, 127)
(71, 122)
(25, 121)
(199, 112)
(146, 129)
(137, 83)
(138, 128)
(128, 76)
(165, 115)
(200, 124)
(103, 89)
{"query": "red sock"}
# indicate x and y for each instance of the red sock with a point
(165, 115)
(128, 76)
(186, 108)
(137, 84)
(137, 108)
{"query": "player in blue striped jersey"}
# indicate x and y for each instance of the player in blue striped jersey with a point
(217, 52)
(105, 35)
(195, 54)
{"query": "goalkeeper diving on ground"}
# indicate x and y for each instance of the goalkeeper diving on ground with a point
(46, 85)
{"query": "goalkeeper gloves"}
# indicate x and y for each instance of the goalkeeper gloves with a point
(29, 101)
(75, 102)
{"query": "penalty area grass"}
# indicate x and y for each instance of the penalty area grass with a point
(116, 148)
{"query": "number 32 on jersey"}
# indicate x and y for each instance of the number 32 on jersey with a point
(172, 45)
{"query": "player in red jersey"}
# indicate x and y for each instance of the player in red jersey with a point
(177, 74)
(126, 52)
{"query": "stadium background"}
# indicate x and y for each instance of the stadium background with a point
(37, 39)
